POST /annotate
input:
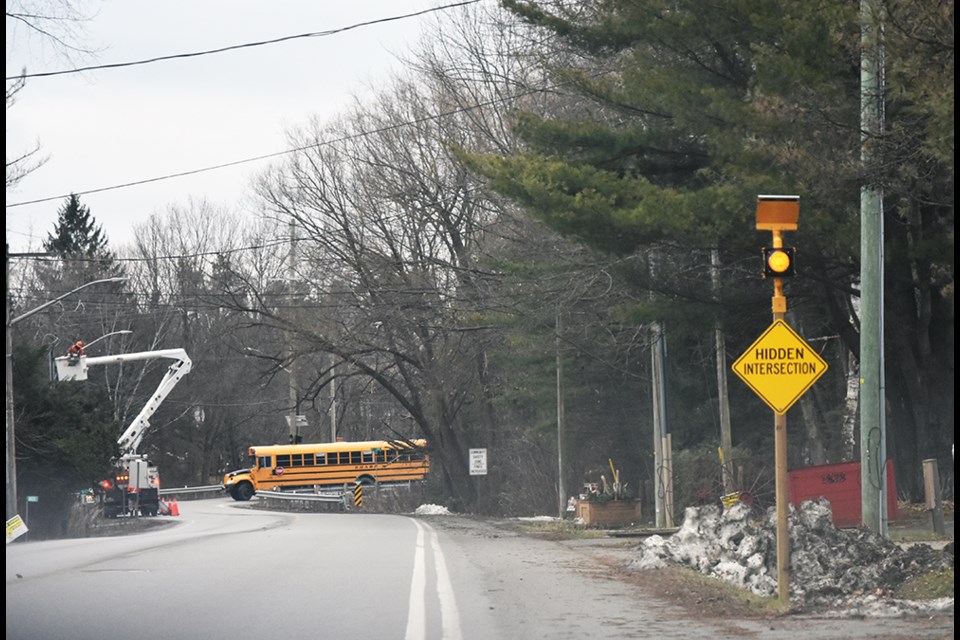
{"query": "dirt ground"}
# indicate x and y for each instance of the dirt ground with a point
(698, 595)
(709, 598)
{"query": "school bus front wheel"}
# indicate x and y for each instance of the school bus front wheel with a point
(242, 492)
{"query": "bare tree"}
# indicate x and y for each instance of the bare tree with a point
(54, 25)
(22, 165)
(177, 274)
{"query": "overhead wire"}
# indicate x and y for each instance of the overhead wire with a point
(246, 45)
(225, 165)
(322, 143)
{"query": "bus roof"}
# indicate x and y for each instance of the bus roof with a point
(364, 445)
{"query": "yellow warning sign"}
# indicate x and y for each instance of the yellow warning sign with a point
(780, 366)
(15, 528)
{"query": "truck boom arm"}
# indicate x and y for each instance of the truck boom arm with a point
(130, 439)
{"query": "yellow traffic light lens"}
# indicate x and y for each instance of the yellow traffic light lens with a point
(778, 261)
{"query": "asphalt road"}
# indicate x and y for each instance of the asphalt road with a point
(228, 571)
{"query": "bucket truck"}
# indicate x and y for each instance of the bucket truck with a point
(135, 486)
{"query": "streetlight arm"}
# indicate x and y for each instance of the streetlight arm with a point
(122, 332)
(23, 316)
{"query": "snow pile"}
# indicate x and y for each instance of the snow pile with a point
(826, 564)
(431, 510)
(538, 519)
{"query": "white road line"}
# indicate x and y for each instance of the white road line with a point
(416, 609)
(416, 615)
(449, 614)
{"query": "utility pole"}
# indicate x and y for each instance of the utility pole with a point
(872, 424)
(664, 501)
(659, 413)
(333, 400)
(561, 490)
(11, 439)
(294, 396)
(723, 400)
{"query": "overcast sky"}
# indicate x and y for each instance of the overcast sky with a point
(108, 127)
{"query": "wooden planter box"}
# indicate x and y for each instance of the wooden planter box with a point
(612, 513)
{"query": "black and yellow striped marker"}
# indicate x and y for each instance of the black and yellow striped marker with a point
(358, 495)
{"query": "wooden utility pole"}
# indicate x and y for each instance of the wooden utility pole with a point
(656, 381)
(561, 490)
(333, 400)
(292, 371)
(723, 400)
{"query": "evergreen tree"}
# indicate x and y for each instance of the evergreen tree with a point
(683, 112)
(77, 234)
(82, 251)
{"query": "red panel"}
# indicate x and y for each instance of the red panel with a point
(840, 484)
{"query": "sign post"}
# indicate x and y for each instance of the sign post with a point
(779, 366)
(26, 513)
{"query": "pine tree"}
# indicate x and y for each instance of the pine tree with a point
(683, 112)
(81, 247)
(76, 233)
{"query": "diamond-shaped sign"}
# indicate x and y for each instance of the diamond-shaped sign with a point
(780, 366)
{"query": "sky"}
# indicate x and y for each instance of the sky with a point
(107, 127)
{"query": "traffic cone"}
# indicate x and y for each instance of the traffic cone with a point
(174, 508)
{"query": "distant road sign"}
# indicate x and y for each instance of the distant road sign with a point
(780, 367)
(478, 462)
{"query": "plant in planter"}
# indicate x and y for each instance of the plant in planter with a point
(608, 491)
(612, 503)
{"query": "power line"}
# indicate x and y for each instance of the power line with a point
(246, 45)
(275, 154)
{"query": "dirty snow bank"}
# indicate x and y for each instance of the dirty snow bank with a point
(828, 566)
(431, 510)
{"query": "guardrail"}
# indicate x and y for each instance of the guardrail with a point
(305, 497)
(211, 488)
(314, 501)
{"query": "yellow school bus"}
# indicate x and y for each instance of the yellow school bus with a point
(303, 466)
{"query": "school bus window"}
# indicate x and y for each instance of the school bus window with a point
(381, 456)
(296, 460)
(355, 457)
(283, 460)
(321, 458)
(368, 456)
(263, 462)
(308, 459)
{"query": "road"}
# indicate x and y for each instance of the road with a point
(226, 571)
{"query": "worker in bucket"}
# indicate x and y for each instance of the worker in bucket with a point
(76, 350)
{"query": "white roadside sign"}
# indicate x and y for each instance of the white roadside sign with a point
(478, 462)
